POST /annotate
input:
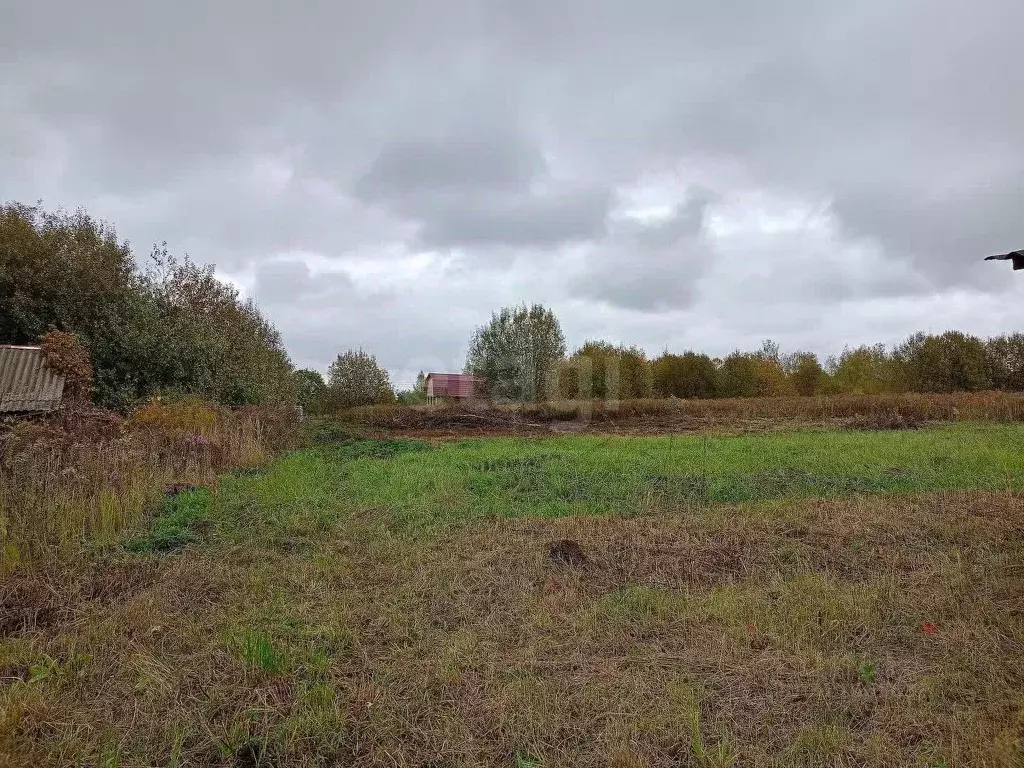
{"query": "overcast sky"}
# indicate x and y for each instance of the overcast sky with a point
(660, 172)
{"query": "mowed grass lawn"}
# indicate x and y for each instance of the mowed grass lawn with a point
(789, 599)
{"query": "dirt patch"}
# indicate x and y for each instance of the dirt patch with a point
(670, 416)
(567, 552)
(111, 582)
(447, 435)
(675, 558)
(30, 604)
(639, 427)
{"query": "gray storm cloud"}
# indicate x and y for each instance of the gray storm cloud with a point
(449, 157)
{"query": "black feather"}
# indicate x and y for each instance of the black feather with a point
(1017, 257)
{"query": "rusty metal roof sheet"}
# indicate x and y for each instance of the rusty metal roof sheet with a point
(26, 384)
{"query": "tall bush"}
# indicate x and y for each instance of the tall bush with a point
(171, 328)
(950, 362)
(356, 378)
(686, 375)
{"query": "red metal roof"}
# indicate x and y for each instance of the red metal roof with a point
(461, 385)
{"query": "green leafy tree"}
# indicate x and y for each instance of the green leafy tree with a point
(738, 375)
(216, 345)
(60, 271)
(517, 352)
(69, 273)
(770, 375)
(589, 373)
(356, 378)
(601, 370)
(310, 390)
(634, 373)
(175, 328)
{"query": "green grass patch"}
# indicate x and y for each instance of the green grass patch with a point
(642, 605)
(289, 504)
(375, 449)
(177, 523)
(303, 496)
(258, 652)
(589, 474)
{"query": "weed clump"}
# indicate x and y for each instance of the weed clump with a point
(64, 354)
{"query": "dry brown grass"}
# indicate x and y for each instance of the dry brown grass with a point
(875, 631)
(83, 476)
(671, 415)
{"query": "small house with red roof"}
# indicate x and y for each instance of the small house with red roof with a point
(454, 387)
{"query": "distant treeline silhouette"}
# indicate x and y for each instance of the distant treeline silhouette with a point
(521, 346)
(929, 363)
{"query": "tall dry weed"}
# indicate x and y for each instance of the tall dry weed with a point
(81, 477)
(840, 410)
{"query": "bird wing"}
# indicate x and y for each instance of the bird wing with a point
(995, 258)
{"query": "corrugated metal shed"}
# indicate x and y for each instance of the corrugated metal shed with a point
(457, 385)
(25, 383)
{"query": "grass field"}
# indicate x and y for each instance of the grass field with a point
(591, 474)
(808, 598)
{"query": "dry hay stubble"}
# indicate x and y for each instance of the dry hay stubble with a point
(749, 627)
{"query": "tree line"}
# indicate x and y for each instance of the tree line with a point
(165, 327)
(169, 326)
(521, 354)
